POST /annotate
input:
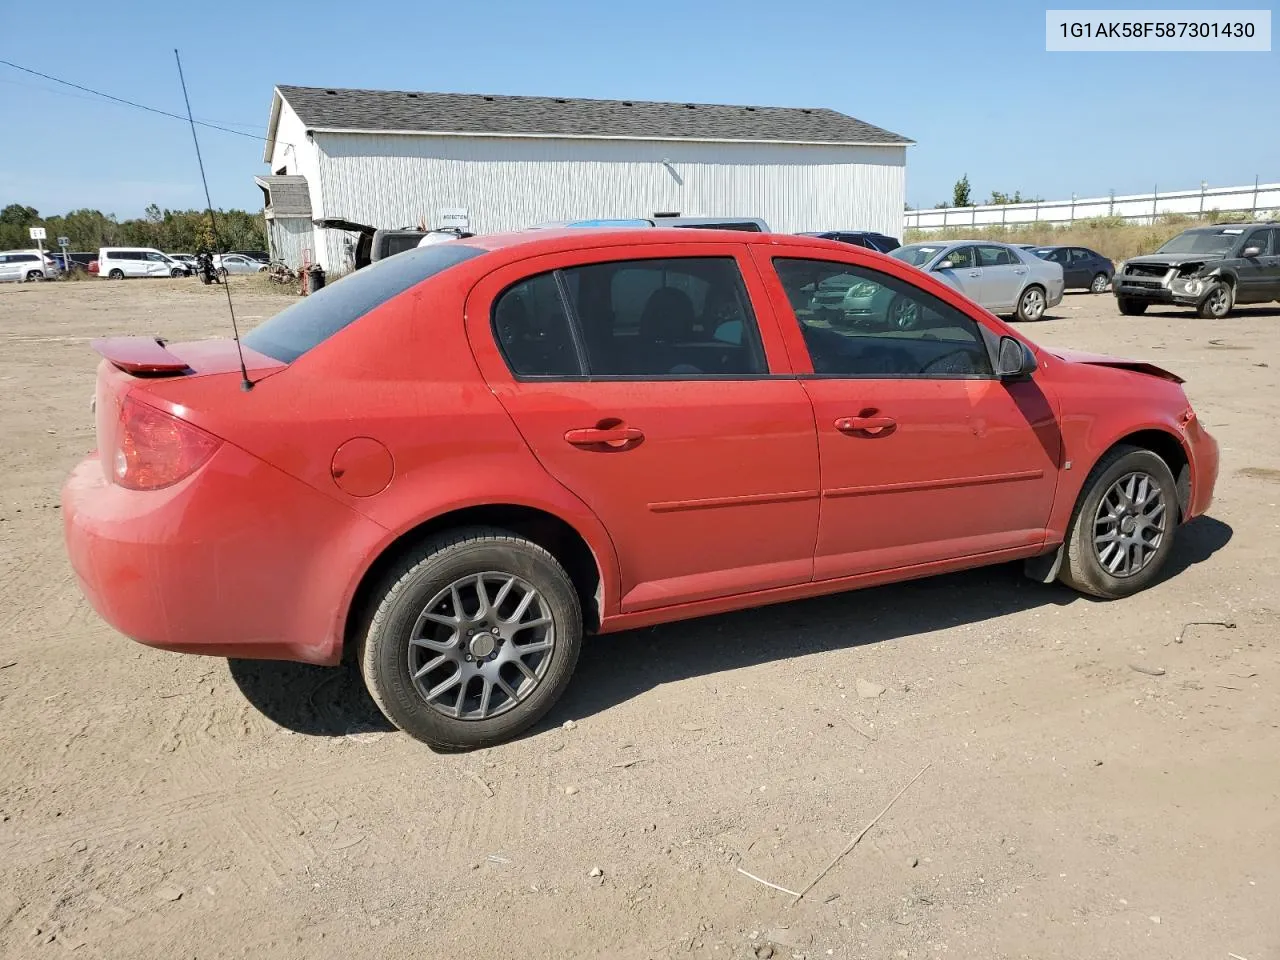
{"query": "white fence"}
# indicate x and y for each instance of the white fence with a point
(1255, 198)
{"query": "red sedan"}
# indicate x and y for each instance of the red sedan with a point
(460, 459)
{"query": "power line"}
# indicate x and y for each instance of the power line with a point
(130, 103)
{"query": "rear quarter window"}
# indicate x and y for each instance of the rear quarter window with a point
(313, 320)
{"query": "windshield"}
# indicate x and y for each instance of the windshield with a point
(917, 254)
(311, 321)
(1202, 241)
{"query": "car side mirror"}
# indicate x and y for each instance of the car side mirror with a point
(945, 265)
(1250, 252)
(1014, 360)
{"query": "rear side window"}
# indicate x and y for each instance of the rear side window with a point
(314, 319)
(680, 318)
(994, 257)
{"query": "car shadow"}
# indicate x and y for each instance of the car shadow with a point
(616, 668)
(333, 702)
(317, 701)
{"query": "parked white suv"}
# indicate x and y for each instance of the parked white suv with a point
(21, 265)
(116, 263)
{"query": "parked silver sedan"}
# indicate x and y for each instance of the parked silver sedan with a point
(237, 263)
(998, 276)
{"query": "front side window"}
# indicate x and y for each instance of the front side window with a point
(1259, 239)
(685, 318)
(862, 323)
(157, 257)
(962, 258)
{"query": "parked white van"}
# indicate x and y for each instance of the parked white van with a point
(116, 263)
(23, 265)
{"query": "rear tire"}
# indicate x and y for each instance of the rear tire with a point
(1032, 304)
(1112, 559)
(34, 276)
(116, 274)
(1131, 308)
(1217, 303)
(432, 598)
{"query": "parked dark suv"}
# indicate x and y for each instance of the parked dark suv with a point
(1208, 268)
(860, 238)
(1082, 268)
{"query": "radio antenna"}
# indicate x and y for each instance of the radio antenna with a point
(245, 383)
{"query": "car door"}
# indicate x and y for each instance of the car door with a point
(651, 382)
(925, 455)
(1002, 277)
(1255, 275)
(1271, 266)
(1083, 266)
(6, 268)
(961, 271)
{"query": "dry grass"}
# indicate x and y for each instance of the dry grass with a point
(1110, 236)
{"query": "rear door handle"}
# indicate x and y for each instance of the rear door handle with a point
(1020, 272)
(869, 425)
(975, 273)
(616, 437)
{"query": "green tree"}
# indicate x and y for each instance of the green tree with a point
(960, 193)
(177, 231)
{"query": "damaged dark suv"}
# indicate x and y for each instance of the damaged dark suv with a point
(1210, 269)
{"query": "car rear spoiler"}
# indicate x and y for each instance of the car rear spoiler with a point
(140, 355)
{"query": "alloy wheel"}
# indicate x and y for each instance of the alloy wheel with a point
(1033, 304)
(1218, 301)
(1130, 524)
(481, 646)
(1100, 283)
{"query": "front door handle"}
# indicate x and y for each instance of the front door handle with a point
(619, 438)
(869, 425)
(975, 273)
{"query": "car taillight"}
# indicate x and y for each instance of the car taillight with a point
(155, 449)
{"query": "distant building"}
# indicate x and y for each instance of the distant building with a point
(397, 159)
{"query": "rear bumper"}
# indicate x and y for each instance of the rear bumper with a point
(237, 560)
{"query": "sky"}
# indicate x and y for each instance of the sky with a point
(970, 83)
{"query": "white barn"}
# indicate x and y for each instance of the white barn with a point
(394, 159)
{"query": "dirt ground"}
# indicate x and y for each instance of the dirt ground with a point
(156, 805)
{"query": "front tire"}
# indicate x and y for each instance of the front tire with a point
(175, 272)
(1100, 283)
(1032, 304)
(472, 638)
(1131, 308)
(1217, 303)
(1123, 526)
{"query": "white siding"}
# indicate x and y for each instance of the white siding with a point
(297, 156)
(292, 239)
(508, 183)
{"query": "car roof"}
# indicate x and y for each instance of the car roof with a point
(572, 238)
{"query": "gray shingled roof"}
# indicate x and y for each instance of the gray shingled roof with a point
(337, 109)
